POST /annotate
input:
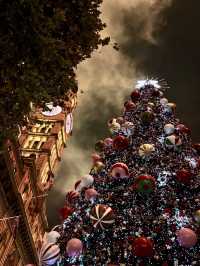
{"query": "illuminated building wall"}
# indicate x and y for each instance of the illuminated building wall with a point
(27, 169)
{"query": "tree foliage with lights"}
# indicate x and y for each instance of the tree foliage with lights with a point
(140, 204)
(41, 43)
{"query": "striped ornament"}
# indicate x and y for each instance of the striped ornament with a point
(72, 196)
(119, 170)
(146, 149)
(102, 216)
(49, 254)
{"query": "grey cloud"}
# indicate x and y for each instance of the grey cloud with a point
(156, 38)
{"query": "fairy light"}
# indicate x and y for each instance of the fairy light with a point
(145, 82)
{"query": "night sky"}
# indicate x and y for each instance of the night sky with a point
(156, 39)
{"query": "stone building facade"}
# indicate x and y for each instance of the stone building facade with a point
(27, 169)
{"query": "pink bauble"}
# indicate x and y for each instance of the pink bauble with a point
(95, 158)
(186, 237)
(108, 142)
(119, 170)
(74, 247)
(90, 194)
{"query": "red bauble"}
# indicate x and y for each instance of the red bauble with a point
(183, 176)
(180, 128)
(120, 143)
(135, 95)
(142, 247)
(65, 212)
(196, 146)
(129, 105)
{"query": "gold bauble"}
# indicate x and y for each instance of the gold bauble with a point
(197, 216)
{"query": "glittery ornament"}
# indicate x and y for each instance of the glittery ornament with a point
(135, 95)
(99, 146)
(120, 142)
(98, 166)
(102, 216)
(91, 194)
(180, 128)
(144, 183)
(74, 247)
(143, 247)
(129, 106)
(65, 212)
(108, 142)
(183, 176)
(147, 117)
(186, 237)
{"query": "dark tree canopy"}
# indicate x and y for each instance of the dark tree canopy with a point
(41, 43)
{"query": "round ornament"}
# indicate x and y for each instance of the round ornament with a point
(183, 176)
(197, 216)
(120, 142)
(171, 106)
(135, 95)
(129, 106)
(186, 237)
(143, 247)
(71, 197)
(49, 254)
(169, 129)
(163, 101)
(150, 104)
(146, 150)
(147, 117)
(51, 237)
(180, 128)
(74, 247)
(98, 167)
(172, 141)
(113, 125)
(114, 128)
(144, 183)
(120, 120)
(99, 146)
(119, 170)
(108, 142)
(196, 146)
(95, 157)
(84, 182)
(87, 180)
(91, 194)
(102, 216)
(65, 212)
(111, 122)
(127, 128)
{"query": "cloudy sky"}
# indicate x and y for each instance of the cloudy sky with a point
(157, 38)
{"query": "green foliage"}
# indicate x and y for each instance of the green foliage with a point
(41, 43)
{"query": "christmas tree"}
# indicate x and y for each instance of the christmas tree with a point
(140, 203)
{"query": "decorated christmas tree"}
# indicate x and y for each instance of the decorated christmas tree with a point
(140, 203)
